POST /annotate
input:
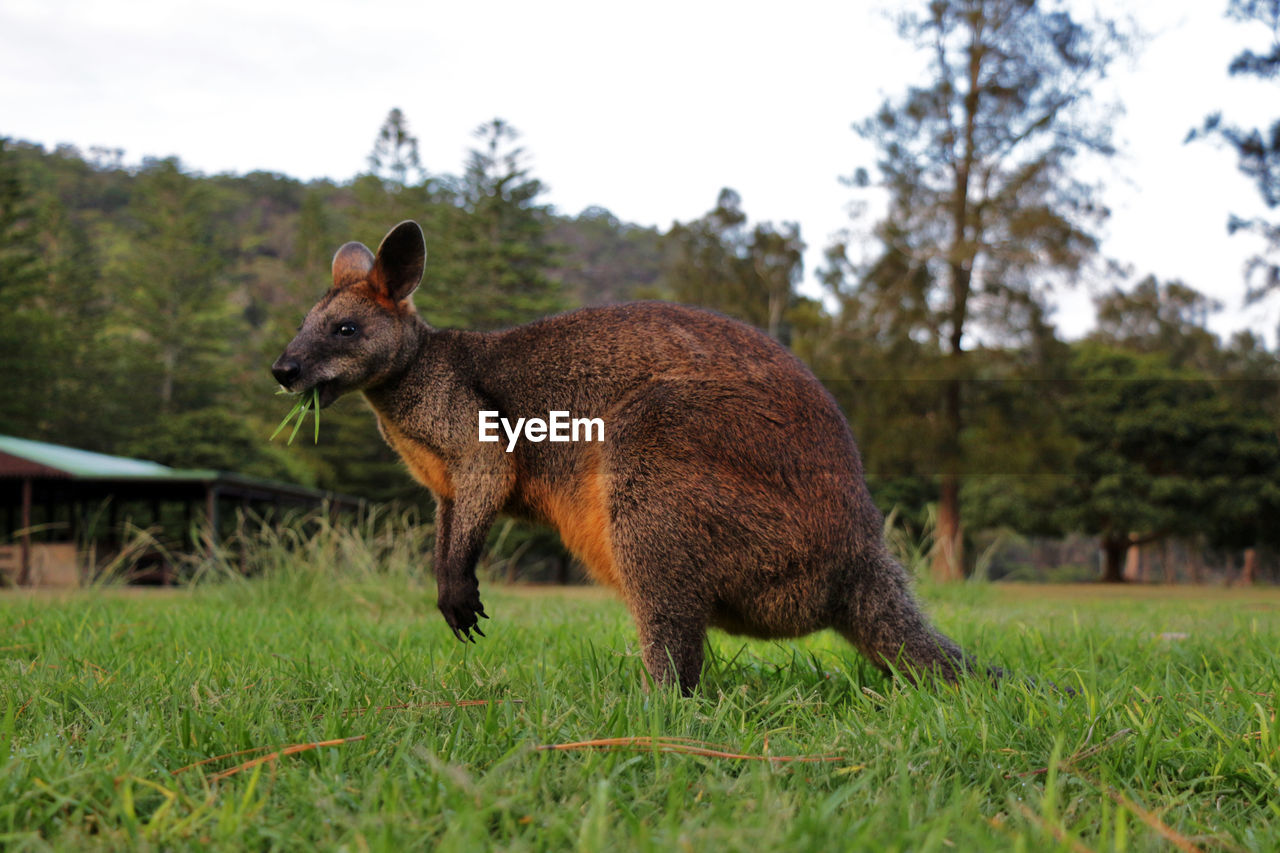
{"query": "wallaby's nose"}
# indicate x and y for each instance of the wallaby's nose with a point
(286, 371)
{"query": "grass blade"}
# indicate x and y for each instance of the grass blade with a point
(298, 415)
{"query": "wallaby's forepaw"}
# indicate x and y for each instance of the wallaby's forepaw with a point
(461, 613)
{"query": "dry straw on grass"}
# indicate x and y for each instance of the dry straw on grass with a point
(684, 746)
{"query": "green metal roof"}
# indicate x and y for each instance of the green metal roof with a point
(27, 459)
(38, 459)
(84, 463)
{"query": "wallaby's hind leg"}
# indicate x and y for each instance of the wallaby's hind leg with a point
(661, 557)
(671, 646)
(659, 577)
(883, 621)
(660, 588)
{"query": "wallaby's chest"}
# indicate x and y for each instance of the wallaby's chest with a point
(424, 464)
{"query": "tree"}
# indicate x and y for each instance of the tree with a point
(394, 158)
(173, 312)
(983, 209)
(1156, 433)
(77, 307)
(315, 238)
(1169, 318)
(776, 259)
(1244, 520)
(1205, 413)
(1134, 425)
(25, 351)
(606, 260)
(717, 263)
(1163, 452)
(54, 303)
(1257, 149)
(220, 440)
(19, 260)
(397, 186)
(495, 255)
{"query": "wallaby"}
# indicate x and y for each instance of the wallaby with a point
(726, 492)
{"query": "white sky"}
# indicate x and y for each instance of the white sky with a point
(646, 109)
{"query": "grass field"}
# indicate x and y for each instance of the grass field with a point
(1171, 741)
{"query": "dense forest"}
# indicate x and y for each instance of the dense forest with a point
(143, 305)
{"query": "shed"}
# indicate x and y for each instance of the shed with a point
(51, 496)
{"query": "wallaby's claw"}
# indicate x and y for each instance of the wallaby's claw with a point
(464, 634)
(461, 615)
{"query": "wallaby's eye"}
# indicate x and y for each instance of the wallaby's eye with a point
(347, 329)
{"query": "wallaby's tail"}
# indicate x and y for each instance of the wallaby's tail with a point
(883, 621)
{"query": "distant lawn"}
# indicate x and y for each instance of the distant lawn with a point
(1171, 742)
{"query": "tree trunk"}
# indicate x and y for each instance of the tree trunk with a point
(1134, 565)
(948, 542)
(948, 550)
(1113, 553)
(1195, 564)
(776, 303)
(169, 363)
(948, 545)
(1249, 572)
(1166, 563)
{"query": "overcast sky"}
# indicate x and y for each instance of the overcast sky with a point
(646, 109)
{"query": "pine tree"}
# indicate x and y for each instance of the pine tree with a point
(496, 254)
(172, 308)
(26, 348)
(394, 158)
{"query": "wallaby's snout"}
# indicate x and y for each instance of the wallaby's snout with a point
(286, 371)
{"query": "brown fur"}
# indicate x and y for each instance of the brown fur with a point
(582, 519)
(727, 491)
(424, 464)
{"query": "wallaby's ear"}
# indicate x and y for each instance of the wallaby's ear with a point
(401, 256)
(352, 263)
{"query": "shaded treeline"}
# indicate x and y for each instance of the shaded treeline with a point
(142, 306)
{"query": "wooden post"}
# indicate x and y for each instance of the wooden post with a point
(1195, 565)
(114, 538)
(24, 573)
(211, 515)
